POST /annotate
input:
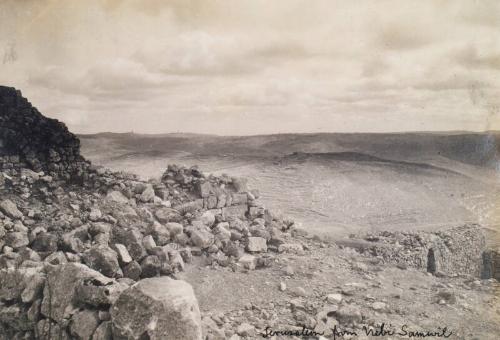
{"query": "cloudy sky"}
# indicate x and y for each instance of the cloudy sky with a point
(258, 66)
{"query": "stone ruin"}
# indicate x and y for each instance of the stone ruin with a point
(77, 255)
(30, 140)
(456, 251)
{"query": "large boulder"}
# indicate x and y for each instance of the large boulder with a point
(157, 308)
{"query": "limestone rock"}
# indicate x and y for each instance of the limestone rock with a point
(256, 244)
(83, 324)
(16, 239)
(202, 238)
(59, 300)
(165, 215)
(117, 197)
(174, 228)
(9, 208)
(157, 308)
(103, 332)
(103, 259)
(148, 194)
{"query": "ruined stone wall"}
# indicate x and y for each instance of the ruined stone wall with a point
(30, 140)
(456, 251)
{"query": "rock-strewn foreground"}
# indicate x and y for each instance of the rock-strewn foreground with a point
(87, 253)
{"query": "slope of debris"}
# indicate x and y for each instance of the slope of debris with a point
(71, 247)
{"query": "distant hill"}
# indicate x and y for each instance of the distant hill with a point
(478, 149)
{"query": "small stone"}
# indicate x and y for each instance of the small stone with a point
(379, 306)
(334, 298)
(245, 329)
(149, 243)
(56, 258)
(348, 314)
(33, 288)
(282, 286)
(45, 242)
(9, 208)
(83, 324)
(174, 228)
(165, 215)
(151, 266)
(256, 244)
(208, 218)
(123, 255)
(293, 248)
(16, 240)
(202, 238)
(95, 214)
(289, 270)
(248, 261)
(103, 332)
(132, 270)
(148, 194)
(116, 196)
(298, 291)
(103, 259)
(160, 233)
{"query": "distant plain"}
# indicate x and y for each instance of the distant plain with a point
(336, 184)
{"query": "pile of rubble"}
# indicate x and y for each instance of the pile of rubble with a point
(455, 251)
(72, 252)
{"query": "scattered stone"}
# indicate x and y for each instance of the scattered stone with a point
(334, 298)
(248, 261)
(174, 228)
(208, 218)
(379, 306)
(148, 194)
(298, 292)
(349, 314)
(16, 240)
(245, 329)
(9, 208)
(202, 238)
(83, 324)
(103, 259)
(116, 196)
(293, 248)
(256, 244)
(165, 215)
(122, 252)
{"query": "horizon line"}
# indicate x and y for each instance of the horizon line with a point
(292, 133)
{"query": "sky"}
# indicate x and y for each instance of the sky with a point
(239, 67)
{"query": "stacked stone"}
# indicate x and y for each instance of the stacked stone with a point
(455, 251)
(30, 140)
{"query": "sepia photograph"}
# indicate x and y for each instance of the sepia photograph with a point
(249, 169)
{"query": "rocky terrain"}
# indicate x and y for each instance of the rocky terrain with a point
(90, 253)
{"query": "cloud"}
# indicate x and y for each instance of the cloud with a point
(254, 66)
(472, 57)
